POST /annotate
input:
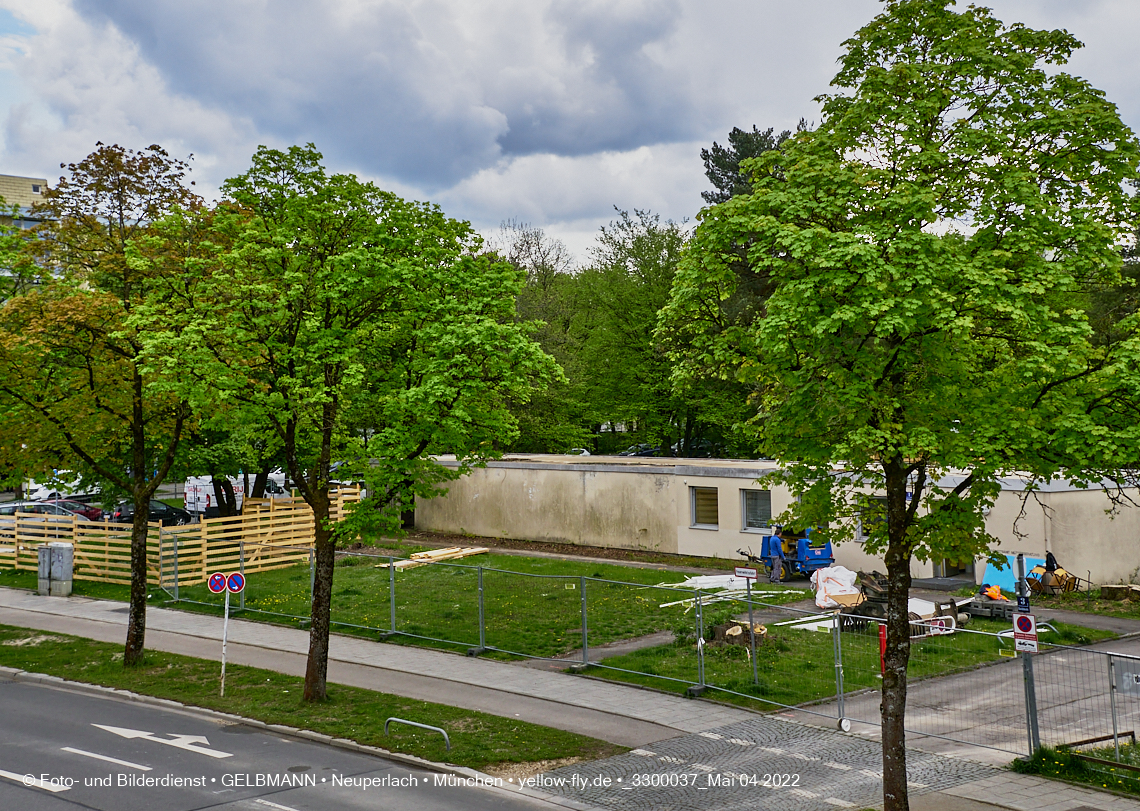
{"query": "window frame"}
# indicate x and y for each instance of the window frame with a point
(860, 535)
(764, 530)
(693, 508)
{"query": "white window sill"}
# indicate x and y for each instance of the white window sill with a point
(710, 527)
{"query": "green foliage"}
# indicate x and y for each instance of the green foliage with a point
(723, 164)
(337, 319)
(905, 289)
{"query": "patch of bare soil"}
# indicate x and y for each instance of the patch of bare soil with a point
(644, 556)
(519, 771)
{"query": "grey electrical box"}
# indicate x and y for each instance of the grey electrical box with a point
(56, 564)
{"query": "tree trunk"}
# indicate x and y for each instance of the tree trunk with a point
(316, 671)
(893, 708)
(136, 620)
(224, 496)
(259, 482)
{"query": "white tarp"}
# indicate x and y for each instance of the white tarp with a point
(832, 582)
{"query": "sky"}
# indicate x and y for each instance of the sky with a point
(548, 112)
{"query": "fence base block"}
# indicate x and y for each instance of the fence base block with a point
(476, 651)
(578, 667)
(696, 691)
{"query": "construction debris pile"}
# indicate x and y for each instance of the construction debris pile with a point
(436, 556)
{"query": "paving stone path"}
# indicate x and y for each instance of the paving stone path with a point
(761, 763)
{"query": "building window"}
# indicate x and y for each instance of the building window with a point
(872, 516)
(35, 188)
(757, 506)
(704, 507)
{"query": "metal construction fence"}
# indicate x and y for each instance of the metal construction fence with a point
(965, 686)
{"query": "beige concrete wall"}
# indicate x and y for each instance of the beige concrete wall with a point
(645, 504)
(626, 510)
(1084, 538)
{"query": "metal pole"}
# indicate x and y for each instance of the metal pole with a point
(836, 638)
(241, 568)
(225, 633)
(1112, 703)
(751, 631)
(700, 643)
(585, 632)
(482, 615)
(1031, 726)
(312, 574)
(392, 593)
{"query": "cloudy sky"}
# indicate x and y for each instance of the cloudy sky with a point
(550, 112)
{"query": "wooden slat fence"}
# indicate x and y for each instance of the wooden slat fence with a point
(269, 534)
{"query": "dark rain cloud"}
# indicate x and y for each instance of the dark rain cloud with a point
(376, 86)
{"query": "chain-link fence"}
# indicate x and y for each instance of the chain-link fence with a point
(964, 684)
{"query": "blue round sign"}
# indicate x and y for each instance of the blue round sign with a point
(1024, 624)
(235, 582)
(217, 582)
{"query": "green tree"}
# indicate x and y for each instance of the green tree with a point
(927, 258)
(625, 369)
(332, 310)
(723, 163)
(72, 376)
(559, 417)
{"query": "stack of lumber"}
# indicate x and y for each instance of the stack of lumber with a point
(436, 556)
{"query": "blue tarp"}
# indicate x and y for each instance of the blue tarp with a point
(1007, 578)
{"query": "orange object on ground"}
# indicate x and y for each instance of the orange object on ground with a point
(994, 593)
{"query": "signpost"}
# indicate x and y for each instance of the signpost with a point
(749, 574)
(1025, 633)
(231, 584)
(1023, 604)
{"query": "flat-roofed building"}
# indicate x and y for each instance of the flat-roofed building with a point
(22, 191)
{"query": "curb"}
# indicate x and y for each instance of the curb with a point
(55, 682)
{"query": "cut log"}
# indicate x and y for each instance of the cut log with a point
(1113, 592)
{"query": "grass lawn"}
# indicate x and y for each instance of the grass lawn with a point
(532, 606)
(1062, 764)
(1090, 604)
(478, 740)
(797, 667)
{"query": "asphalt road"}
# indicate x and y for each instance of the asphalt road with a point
(61, 751)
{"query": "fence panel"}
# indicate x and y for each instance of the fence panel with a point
(532, 614)
(436, 601)
(959, 685)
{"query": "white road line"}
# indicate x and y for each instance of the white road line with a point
(259, 801)
(126, 763)
(32, 781)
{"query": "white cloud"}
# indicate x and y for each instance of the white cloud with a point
(551, 111)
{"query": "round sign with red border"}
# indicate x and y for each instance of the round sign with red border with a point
(1024, 624)
(217, 582)
(235, 582)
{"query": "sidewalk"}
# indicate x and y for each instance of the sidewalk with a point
(664, 731)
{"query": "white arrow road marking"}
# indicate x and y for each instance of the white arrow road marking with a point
(186, 742)
(31, 780)
(126, 763)
(259, 801)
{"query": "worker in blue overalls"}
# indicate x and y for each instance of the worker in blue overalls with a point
(776, 555)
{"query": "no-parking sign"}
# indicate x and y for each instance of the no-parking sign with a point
(1025, 633)
(217, 583)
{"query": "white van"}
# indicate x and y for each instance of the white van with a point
(200, 492)
(200, 495)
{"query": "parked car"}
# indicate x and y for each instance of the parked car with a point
(64, 485)
(159, 511)
(39, 514)
(644, 449)
(88, 511)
